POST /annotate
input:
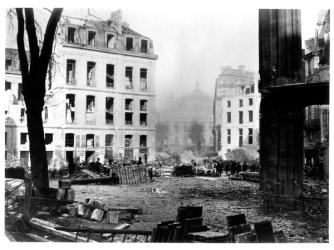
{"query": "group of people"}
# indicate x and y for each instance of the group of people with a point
(231, 166)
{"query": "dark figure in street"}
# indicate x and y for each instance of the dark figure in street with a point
(238, 167)
(97, 165)
(71, 166)
(233, 167)
(244, 166)
(227, 167)
(150, 172)
(220, 168)
(139, 161)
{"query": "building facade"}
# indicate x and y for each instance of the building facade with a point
(240, 122)
(228, 83)
(182, 112)
(101, 103)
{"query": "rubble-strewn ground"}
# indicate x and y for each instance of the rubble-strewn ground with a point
(219, 197)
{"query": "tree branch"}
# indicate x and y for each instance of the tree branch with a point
(31, 30)
(20, 46)
(48, 39)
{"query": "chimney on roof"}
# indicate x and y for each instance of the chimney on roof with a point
(116, 18)
(242, 68)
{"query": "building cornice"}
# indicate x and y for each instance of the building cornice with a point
(111, 51)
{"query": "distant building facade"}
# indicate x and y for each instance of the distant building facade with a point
(101, 103)
(182, 112)
(236, 111)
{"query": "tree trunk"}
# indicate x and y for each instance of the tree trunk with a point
(33, 82)
(39, 167)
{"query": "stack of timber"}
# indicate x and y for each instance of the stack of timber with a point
(131, 174)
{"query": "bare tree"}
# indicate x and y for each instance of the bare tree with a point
(34, 73)
(196, 135)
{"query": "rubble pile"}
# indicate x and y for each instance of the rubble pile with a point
(315, 188)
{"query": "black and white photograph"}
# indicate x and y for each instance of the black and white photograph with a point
(166, 122)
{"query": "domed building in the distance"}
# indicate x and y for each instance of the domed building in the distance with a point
(190, 112)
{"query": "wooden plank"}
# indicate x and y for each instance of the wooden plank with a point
(37, 238)
(50, 228)
(9, 236)
(90, 173)
(99, 230)
(92, 180)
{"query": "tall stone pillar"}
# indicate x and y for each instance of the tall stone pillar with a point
(281, 117)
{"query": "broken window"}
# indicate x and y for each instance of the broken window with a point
(241, 117)
(252, 88)
(108, 146)
(110, 75)
(69, 140)
(48, 138)
(129, 43)
(143, 46)
(247, 91)
(24, 139)
(109, 140)
(70, 34)
(90, 109)
(70, 108)
(110, 41)
(228, 117)
(250, 101)
(9, 63)
(143, 119)
(143, 141)
(143, 79)
(128, 118)
(128, 77)
(90, 104)
(91, 38)
(109, 110)
(250, 136)
(91, 73)
(128, 104)
(70, 72)
(241, 103)
(240, 137)
(143, 105)
(250, 116)
(228, 104)
(228, 136)
(90, 140)
(8, 85)
(22, 115)
(24, 155)
(128, 141)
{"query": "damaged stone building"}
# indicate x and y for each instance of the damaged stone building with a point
(236, 111)
(101, 101)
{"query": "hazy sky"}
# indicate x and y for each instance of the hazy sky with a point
(193, 43)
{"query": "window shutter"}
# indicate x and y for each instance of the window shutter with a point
(96, 141)
(83, 141)
(77, 140)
